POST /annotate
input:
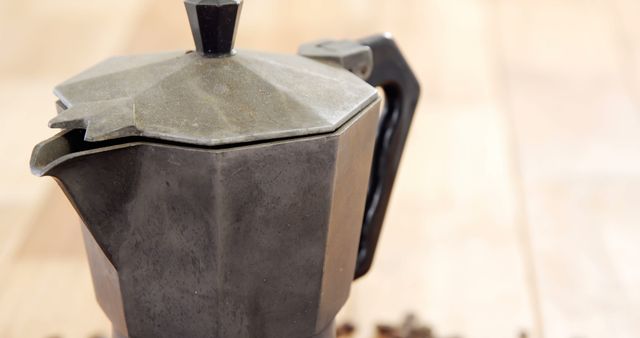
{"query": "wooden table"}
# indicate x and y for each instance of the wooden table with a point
(518, 202)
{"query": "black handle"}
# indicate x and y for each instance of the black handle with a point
(392, 73)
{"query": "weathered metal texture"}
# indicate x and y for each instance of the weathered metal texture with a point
(187, 98)
(328, 332)
(106, 283)
(352, 56)
(248, 241)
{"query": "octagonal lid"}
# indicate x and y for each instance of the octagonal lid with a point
(214, 96)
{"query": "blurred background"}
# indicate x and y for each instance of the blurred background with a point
(517, 207)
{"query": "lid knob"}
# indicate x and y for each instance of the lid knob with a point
(213, 24)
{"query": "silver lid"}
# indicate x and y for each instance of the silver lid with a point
(202, 99)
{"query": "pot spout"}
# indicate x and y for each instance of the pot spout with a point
(64, 146)
(51, 152)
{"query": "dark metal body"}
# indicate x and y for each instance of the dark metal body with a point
(248, 241)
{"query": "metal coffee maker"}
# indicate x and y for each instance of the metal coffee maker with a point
(230, 193)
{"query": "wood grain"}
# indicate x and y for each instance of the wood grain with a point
(451, 249)
(578, 139)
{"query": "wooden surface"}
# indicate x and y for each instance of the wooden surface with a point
(516, 208)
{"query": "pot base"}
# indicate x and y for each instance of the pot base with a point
(329, 332)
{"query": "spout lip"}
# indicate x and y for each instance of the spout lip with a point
(66, 145)
(41, 160)
(60, 148)
(35, 169)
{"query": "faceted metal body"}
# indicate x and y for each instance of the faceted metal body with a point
(229, 193)
(254, 240)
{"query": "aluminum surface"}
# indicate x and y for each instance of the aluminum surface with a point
(250, 241)
(187, 98)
